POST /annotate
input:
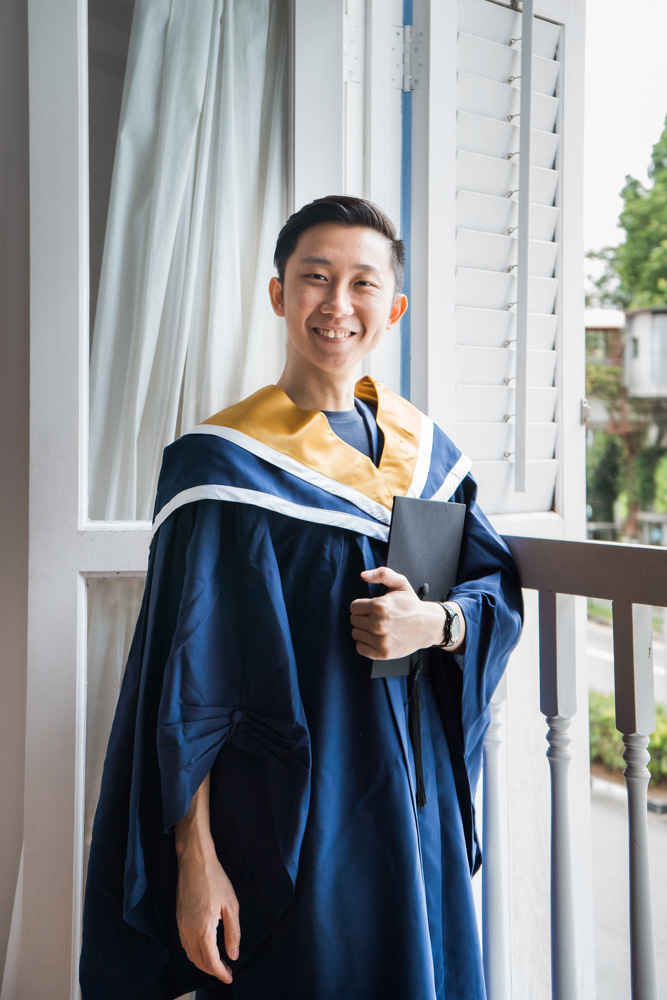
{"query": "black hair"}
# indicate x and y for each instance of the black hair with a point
(347, 211)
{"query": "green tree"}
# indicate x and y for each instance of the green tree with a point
(661, 485)
(617, 460)
(635, 274)
(605, 466)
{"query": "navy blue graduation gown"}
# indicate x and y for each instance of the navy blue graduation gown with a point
(243, 665)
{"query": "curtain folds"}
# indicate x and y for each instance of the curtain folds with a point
(184, 325)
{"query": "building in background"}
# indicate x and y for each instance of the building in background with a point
(626, 376)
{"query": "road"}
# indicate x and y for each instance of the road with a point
(610, 889)
(601, 661)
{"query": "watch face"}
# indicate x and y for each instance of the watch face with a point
(455, 629)
(454, 624)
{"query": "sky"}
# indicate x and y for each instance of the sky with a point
(625, 105)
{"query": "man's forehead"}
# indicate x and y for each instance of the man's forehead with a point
(360, 247)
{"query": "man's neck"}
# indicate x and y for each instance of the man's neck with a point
(317, 392)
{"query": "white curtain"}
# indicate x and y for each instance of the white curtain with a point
(184, 325)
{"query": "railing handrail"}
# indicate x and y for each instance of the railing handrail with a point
(606, 570)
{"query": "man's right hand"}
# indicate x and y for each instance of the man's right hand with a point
(204, 897)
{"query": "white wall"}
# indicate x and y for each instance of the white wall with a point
(14, 388)
(646, 374)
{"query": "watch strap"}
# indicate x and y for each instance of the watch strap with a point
(449, 618)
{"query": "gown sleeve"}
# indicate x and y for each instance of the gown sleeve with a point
(488, 591)
(203, 686)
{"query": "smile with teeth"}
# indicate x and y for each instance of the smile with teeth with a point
(332, 334)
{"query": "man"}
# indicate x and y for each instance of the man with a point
(263, 833)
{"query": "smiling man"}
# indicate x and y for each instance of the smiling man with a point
(263, 832)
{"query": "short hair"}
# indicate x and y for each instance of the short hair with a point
(346, 211)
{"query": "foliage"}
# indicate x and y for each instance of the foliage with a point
(606, 742)
(608, 293)
(604, 382)
(635, 274)
(661, 485)
(600, 610)
(644, 478)
(605, 468)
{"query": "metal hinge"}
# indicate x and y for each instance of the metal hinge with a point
(407, 57)
(407, 68)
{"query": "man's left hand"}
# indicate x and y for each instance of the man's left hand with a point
(397, 623)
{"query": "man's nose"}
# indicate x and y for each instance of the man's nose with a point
(337, 302)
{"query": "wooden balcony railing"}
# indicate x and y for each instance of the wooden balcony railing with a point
(634, 578)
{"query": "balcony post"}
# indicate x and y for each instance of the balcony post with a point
(635, 715)
(558, 703)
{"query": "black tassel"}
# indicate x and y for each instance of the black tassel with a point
(415, 728)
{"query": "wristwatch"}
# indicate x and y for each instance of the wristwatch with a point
(452, 625)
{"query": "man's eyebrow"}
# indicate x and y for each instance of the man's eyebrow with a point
(323, 260)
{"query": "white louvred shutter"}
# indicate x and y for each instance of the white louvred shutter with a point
(488, 104)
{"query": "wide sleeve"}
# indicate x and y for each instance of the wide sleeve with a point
(205, 688)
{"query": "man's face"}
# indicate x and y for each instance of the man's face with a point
(337, 297)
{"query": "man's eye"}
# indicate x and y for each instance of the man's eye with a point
(318, 277)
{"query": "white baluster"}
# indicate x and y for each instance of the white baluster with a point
(558, 703)
(563, 945)
(642, 945)
(635, 714)
(495, 912)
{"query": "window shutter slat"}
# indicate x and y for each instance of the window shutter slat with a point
(496, 290)
(477, 134)
(491, 175)
(494, 327)
(487, 441)
(492, 214)
(490, 366)
(479, 17)
(499, 24)
(487, 97)
(480, 56)
(495, 482)
(495, 252)
(497, 403)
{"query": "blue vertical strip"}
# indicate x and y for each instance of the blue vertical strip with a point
(406, 215)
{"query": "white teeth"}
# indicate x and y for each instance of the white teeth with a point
(333, 334)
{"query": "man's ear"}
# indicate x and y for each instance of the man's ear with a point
(276, 296)
(397, 310)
